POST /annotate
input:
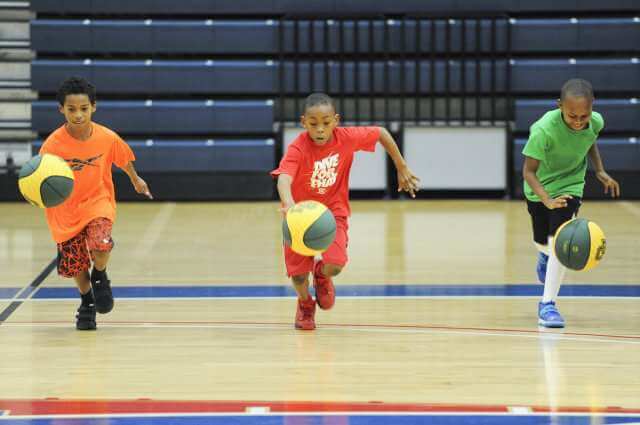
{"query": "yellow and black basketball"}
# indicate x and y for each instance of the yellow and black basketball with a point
(579, 244)
(309, 228)
(46, 180)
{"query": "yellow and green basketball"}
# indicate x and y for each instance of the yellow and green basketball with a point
(579, 244)
(46, 180)
(309, 228)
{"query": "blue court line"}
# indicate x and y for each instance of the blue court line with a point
(6, 293)
(469, 419)
(349, 290)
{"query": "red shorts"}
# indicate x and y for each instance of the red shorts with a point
(336, 253)
(74, 255)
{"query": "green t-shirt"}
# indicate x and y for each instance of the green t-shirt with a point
(562, 153)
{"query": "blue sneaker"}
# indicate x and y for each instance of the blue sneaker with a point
(549, 316)
(541, 267)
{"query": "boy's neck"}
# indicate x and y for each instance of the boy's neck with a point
(80, 133)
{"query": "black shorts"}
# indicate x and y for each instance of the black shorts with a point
(545, 222)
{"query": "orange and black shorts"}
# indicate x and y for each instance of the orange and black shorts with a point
(74, 255)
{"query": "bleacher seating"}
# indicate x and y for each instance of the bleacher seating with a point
(261, 78)
(621, 115)
(179, 54)
(335, 7)
(540, 76)
(171, 156)
(619, 154)
(260, 37)
(172, 117)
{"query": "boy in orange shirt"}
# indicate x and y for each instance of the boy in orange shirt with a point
(81, 226)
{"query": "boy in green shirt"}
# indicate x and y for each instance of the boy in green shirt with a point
(554, 171)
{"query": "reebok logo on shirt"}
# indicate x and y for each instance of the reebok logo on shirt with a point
(78, 164)
(324, 173)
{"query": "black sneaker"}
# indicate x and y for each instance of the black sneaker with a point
(102, 291)
(86, 318)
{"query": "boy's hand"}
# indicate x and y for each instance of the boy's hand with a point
(141, 187)
(284, 207)
(609, 184)
(407, 181)
(559, 202)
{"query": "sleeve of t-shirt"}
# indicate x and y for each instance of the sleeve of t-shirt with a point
(46, 147)
(535, 146)
(289, 163)
(598, 123)
(122, 153)
(364, 138)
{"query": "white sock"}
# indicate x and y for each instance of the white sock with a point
(542, 248)
(555, 274)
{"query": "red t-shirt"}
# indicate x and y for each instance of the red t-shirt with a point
(321, 173)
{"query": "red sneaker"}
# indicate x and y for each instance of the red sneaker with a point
(325, 291)
(305, 314)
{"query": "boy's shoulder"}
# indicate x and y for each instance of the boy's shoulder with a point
(106, 131)
(597, 121)
(547, 122)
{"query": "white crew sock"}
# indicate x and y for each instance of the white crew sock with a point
(542, 248)
(555, 275)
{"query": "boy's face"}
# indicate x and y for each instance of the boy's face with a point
(77, 110)
(320, 121)
(576, 111)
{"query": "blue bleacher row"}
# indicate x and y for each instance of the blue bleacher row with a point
(262, 37)
(621, 115)
(338, 7)
(618, 154)
(169, 117)
(250, 155)
(262, 77)
(230, 117)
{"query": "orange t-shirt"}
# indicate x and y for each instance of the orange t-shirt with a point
(93, 194)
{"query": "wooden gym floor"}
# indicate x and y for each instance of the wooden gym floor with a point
(435, 315)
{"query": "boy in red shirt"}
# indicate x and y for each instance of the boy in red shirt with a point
(81, 226)
(316, 167)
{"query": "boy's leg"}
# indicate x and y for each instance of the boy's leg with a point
(333, 261)
(540, 216)
(298, 268)
(547, 311)
(100, 244)
(74, 262)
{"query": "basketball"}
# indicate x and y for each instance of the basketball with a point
(46, 180)
(579, 244)
(309, 228)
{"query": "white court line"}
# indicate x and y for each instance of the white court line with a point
(153, 231)
(342, 329)
(314, 413)
(631, 207)
(343, 297)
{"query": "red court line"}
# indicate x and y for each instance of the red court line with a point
(364, 326)
(54, 406)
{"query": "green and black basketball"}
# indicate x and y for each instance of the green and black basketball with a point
(309, 228)
(579, 244)
(46, 180)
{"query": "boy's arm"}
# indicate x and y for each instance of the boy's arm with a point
(529, 173)
(407, 181)
(284, 190)
(138, 183)
(609, 183)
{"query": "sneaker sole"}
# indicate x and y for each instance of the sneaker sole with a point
(104, 305)
(304, 329)
(550, 324)
(86, 326)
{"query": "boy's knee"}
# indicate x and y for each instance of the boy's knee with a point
(332, 269)
(299, 279)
